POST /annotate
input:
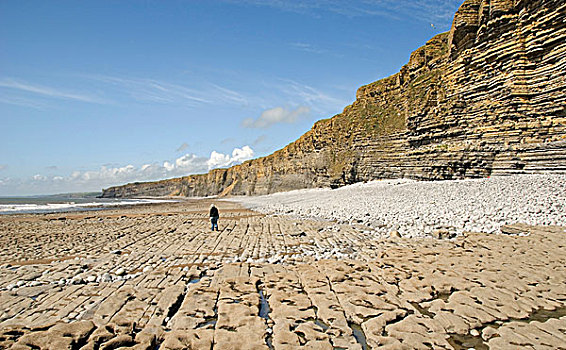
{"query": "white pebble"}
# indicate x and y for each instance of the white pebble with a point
(418, 208)
(91, 279)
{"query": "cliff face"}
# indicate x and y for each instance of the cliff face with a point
(488, 97)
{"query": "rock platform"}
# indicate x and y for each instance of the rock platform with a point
(155, 277)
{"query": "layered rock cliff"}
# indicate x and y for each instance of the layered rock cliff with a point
(486, 98)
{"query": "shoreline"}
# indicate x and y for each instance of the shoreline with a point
(48, 206)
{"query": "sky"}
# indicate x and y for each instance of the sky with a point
(101, 93)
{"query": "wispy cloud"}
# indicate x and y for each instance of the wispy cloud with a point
(259, 140)
(21, 101)
(3, 166)
(308, 48)
(309, 95)
(230, 95)
(276, 115)
(421, 10)
(47, 91)
(189, 93)
(228, 140)
(150, 90)
(183, 147)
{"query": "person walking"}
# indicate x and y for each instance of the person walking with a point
(214, 217)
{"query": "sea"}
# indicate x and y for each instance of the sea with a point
(65, 203)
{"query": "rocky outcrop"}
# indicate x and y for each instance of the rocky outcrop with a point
(153, 278)
(486, 98)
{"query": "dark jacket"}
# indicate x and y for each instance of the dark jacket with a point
(214, 212)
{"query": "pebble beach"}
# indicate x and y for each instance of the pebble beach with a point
(418, 208)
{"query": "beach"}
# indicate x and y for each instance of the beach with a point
(283, 276)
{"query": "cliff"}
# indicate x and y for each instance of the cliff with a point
(486, 98)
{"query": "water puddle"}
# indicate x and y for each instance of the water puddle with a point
(543, 315)
(321, 324)
(317, 322)
(174, 308)
(465, 342)
(540, 315)
(462, 342)
(444, 296)
(209, 323)
(269, 341)
(359, 335)
(422, 310)
(264, 311)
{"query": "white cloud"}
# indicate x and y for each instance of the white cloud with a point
(3, 166)
(276, 115)
(106, 176)
(217, 160)
(239, 155)
(188, 162)
(168, 166)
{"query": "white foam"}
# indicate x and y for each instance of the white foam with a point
(69, 206)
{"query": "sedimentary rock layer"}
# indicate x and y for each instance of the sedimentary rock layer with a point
(157, 278)
(488, 97)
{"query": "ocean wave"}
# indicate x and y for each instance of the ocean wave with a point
(29, 208)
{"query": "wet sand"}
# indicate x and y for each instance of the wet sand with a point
(155, 277)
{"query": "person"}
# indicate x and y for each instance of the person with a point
(214, 217)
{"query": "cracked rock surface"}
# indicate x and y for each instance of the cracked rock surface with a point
(155, 277)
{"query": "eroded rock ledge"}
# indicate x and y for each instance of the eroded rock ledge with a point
(486, 98)
(157, 278)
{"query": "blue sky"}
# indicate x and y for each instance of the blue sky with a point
(100, 93)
